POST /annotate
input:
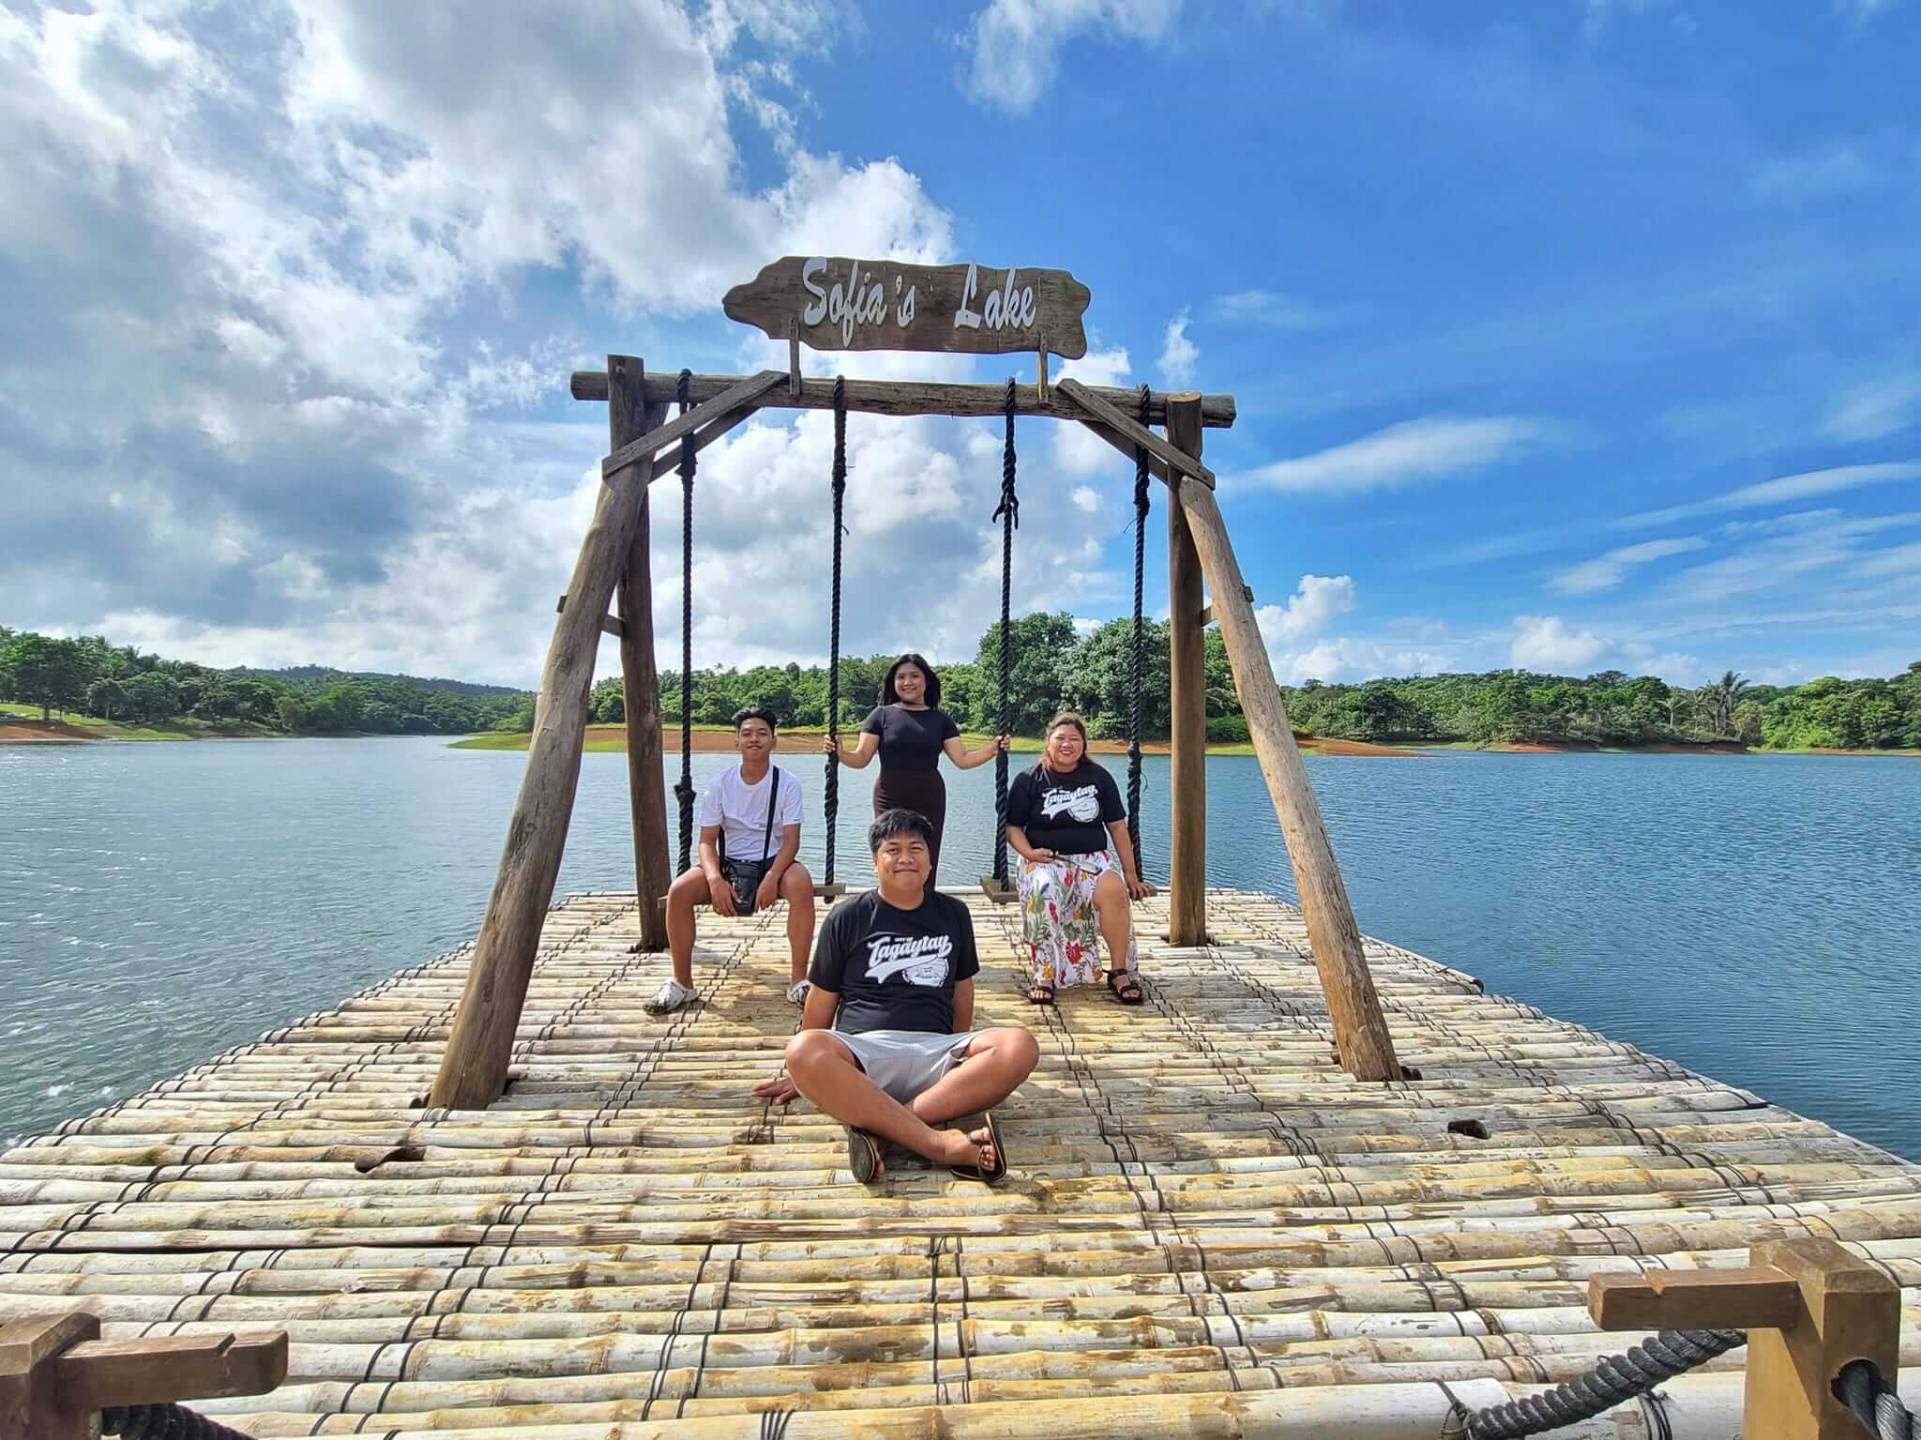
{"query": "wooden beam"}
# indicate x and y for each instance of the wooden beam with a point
(1207, 611)
(737, 397)
(97, 1374)
(1693, 1300)
(1360, 1031)
(1155, 465)
(910, 397)
(609, 624)
(1137, 434)
(1187, 704)
(628, 416)
(473, 1070)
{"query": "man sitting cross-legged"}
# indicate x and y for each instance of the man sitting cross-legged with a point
(886, 1045)
(742, 866)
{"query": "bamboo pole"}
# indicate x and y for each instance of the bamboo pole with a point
(473, 1070)
(1187, 694)
(628, 418)
(1361, 1037)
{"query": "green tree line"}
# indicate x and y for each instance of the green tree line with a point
(1054, 665)
(88, 675)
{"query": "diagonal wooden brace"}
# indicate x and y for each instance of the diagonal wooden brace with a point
(1135, 433)
(1809, 1307)
(740, 398)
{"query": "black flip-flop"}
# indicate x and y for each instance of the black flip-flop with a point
(1126, 987)
(1040, 993)
(863, 1155)
(976, 1171)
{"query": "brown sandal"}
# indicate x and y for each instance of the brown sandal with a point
(1040, 993)
(1126, 987)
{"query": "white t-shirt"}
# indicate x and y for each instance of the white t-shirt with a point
(740, 810)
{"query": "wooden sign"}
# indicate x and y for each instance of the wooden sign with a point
(832, 303)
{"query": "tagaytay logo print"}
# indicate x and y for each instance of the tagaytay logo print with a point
(919, 959)
(1082, 805)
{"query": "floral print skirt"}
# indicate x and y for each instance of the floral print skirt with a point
(1057, 909)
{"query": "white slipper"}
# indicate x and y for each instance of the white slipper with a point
(669, 998)
(797, 992)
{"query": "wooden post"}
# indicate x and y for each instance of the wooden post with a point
(1809, 1307)
(473, 1072)
(1850, 1311)
(1187, 694)
(628, 418)
(1360, 1032)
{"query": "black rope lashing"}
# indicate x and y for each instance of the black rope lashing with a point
(1135, 659)
(1008, 512)
(1613, 1381)
(163, 1422)
(684, 788)
(832, 792)
(1865, 1391)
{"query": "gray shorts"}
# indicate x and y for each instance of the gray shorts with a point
(905, 1062)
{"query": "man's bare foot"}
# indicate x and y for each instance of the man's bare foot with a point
(975, 1155)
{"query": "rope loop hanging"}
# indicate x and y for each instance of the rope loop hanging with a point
(839, 487)
(1008, 512)
(1136, 656)
(684, 788)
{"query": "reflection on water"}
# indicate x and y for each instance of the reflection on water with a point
(1758, 918)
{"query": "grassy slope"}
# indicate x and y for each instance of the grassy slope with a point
(93, 728)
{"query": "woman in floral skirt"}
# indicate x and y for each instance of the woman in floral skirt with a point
(1077, 878)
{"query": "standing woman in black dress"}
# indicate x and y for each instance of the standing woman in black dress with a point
(910, 732)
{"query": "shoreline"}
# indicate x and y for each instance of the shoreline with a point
(718, 739)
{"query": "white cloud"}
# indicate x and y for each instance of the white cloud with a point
(1017, 43)
(297, 254)
(1834, 170)
(1267, 307)
(1783, 490)
(1086, 497)
(1309, 611)
(1401, 454)
(1604, 572)
(1545, 643)
(1877, 409)
(1178, 353)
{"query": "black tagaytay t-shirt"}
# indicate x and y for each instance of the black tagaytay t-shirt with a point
(895, 969)
(910, 739)
(1066, 813)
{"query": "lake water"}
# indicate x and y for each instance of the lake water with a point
(1756, 918)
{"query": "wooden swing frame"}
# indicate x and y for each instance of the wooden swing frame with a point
(614, 560)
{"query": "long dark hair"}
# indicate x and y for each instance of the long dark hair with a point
(890, 696)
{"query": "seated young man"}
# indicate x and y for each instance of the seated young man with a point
(749, 819)
(887, 1044)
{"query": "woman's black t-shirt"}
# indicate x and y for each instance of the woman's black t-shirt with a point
(1068, 813)
(895, 969)
(910, 740)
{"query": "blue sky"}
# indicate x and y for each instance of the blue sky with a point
(1564, 335)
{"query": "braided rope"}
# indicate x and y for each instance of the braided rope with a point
(684, 788)
(1008, 512)
(1864, 1390)
(1139, 644)
(833, 640)
(163, 1422)
(1613, 1381)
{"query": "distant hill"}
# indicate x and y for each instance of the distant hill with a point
(308, 674)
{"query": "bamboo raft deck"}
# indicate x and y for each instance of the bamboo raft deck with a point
(1209, 1227)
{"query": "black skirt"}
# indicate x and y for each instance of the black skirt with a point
(921, 790)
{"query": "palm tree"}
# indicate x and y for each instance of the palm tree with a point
(1720, 698)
